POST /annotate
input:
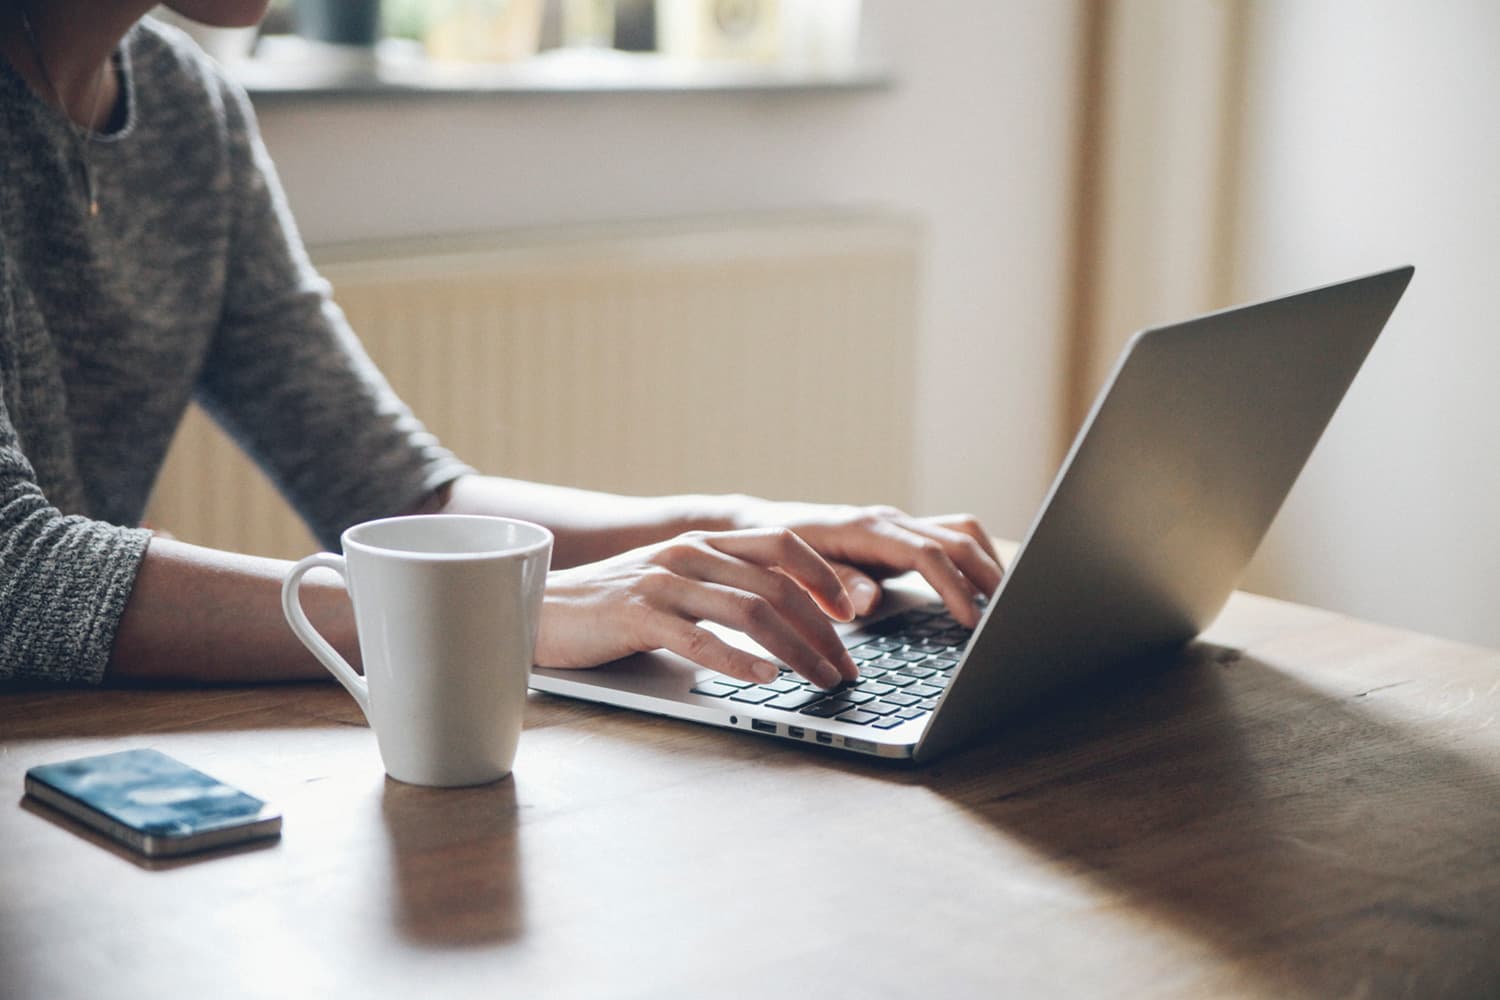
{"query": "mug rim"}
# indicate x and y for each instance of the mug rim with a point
(349, 540)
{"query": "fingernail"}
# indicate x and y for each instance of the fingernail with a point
(764, 673)
(864, 594)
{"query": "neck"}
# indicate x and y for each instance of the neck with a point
(74, 40)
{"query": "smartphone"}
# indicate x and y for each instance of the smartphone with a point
(152, 803)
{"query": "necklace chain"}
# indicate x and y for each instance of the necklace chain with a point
(82, 135)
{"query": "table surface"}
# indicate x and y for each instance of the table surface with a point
(1300, 805)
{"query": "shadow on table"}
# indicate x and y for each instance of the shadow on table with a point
(455, 863)
(1316, 845)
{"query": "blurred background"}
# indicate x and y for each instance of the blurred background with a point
(888, 251)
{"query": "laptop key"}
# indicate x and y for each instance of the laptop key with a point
(911, 713)
(918, 673)
(890, 723)
(858, 717)
(715, 689)
(899, 680)
(927, 704)
(924, 690)
(795, 701)
(879, 708)
(900, 698)
(828, 708)
(889, 626)
(875, 687)
(856, 696)
(782, 686)
(869, 672)
(753, 696)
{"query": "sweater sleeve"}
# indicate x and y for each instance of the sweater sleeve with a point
(64, 579)
(289, 380)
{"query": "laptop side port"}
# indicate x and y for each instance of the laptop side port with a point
(824, 737)
(858, 744)
(761, 726)
(796, 732)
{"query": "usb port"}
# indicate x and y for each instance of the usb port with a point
(762, 727)
(825, 737)
(796, 732)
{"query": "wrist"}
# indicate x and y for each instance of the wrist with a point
(437, 501)
(718, 512)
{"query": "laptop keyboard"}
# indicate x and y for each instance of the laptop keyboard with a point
(905, 662)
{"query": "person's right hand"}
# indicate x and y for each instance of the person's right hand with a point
(765, 582)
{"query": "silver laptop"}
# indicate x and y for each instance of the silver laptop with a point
(1164, 497)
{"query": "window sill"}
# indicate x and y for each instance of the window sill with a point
(400, 72)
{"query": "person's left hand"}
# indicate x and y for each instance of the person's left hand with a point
(865, 544)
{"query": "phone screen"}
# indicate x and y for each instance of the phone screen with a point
(152, 803)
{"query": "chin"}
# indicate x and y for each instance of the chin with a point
(221, 13)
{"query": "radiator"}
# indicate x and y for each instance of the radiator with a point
(772, 356)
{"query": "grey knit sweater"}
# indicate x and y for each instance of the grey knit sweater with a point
(191, 283)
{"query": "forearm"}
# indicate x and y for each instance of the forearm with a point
(204, 615)
(589, 526)
(198, 614)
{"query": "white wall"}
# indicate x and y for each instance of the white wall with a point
(976, 137)
(1369, 140)
(1373, 139)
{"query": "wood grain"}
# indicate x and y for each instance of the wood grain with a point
(1301, 805)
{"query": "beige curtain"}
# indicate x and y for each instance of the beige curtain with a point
(1159, 136)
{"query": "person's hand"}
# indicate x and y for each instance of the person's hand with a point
(865, 544)
(766, 582)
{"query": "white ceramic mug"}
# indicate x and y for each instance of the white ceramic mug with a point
(447, 607)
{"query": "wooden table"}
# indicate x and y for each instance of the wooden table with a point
(1304, 806)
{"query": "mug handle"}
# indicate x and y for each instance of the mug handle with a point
(291, 605)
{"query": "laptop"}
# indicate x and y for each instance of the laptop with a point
(1162, 500)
